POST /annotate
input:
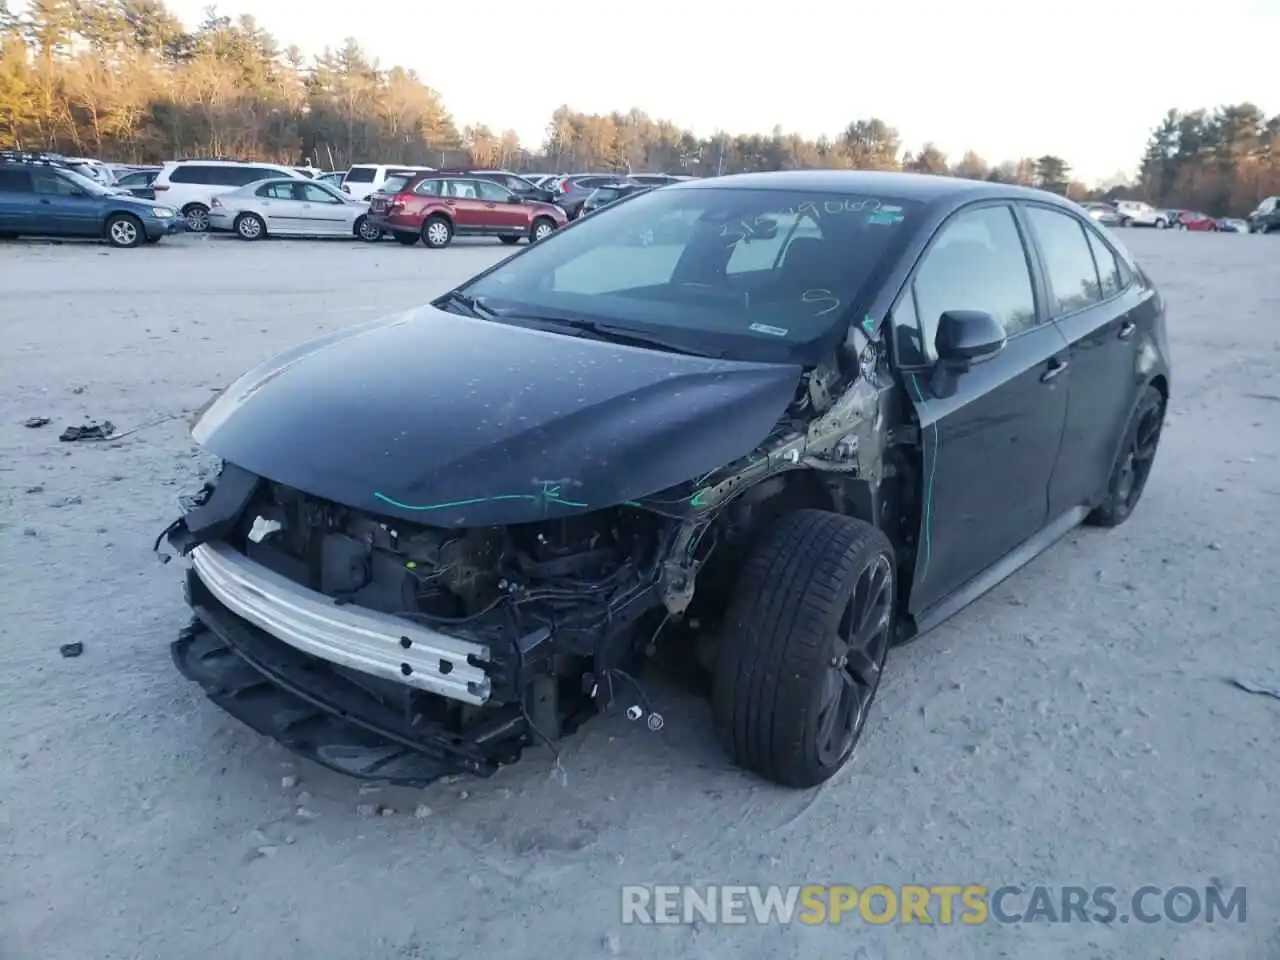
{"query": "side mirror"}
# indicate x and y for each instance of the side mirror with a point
(515, 198)
(76, 192)
(964, 337)
(968, 336)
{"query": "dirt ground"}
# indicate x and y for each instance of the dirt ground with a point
(1075, 726)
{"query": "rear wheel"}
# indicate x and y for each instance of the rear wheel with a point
(250, 226)
(1133, 467)
(437, 232)
(804, 644)
(541, 229)
(197, 217)
(509, 240)
(1126, 222)
(407, 239)
(124, 230)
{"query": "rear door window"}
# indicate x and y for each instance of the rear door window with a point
(14, 180)
(242, 176)
(277, 191)
(196, 173)
(1068, 260)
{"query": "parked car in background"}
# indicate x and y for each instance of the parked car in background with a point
(190, 185)
(606, 196)
(1266, 217)
(333, 178)
(1233, 225)
(138, 182)
(521, 186)
(513, 487)
(435, 209)
(571, 192)
(1103, 213)
(1196, 221)
(93, 169)
(40, 196)
(366, 178)
(291, 208)
(1139, 213)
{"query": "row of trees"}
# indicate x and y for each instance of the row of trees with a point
(126, 80)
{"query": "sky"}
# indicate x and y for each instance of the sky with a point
(1085, 80)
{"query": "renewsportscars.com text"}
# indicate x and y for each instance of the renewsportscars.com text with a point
(943, 904)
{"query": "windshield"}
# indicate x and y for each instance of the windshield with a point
(751, 274)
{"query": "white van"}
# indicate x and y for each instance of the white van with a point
(189, 185)
(364, 178)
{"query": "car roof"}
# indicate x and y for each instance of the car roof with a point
(925, 188)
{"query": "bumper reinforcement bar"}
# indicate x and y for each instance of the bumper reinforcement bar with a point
(365, 640)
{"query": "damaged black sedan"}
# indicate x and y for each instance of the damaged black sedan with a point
(771, 423)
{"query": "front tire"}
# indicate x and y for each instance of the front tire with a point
(1161, 223)
(1133, 465)
(250, 226)
(197, 217)
(1126, 222)
(437, 232)
(124, 230)
(367, 232)
(803, 647)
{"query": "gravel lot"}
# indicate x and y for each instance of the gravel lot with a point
(1075, 726)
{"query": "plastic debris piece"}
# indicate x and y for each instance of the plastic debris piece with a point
(90, 431)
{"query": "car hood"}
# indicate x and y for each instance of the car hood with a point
(139, 202)
(453, 421)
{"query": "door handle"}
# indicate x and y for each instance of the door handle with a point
(451, 203)
(1127, 330)
(44, 201)
(1056, 366)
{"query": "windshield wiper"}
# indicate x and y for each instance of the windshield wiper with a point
(473, 305)
(610, 333)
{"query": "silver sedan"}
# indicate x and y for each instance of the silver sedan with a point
(291, 208)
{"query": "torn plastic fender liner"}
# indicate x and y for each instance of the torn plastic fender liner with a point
(215, 514)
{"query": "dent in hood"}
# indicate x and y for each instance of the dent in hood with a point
(454, 421)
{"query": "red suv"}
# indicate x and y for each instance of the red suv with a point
(437, 208)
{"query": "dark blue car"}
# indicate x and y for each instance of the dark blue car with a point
(41, 197)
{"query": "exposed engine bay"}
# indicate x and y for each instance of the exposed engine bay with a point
(561, 613)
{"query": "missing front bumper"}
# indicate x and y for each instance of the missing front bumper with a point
(308, 706)
(378, 644)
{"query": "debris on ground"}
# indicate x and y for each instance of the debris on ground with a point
(34, 422)
(288, 782)
(90, 431)
(1249, 687)
(71, 649)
